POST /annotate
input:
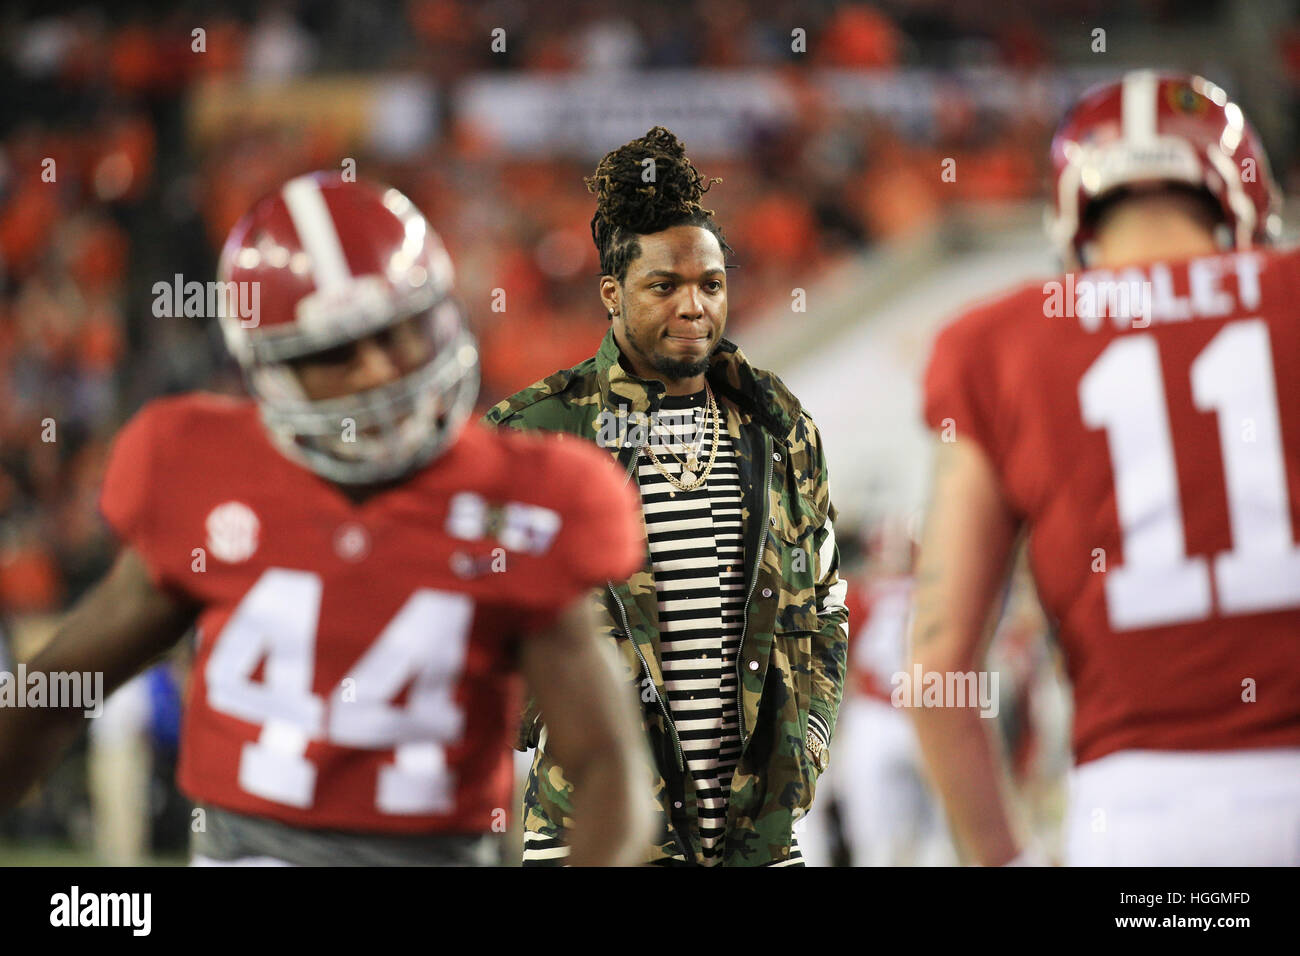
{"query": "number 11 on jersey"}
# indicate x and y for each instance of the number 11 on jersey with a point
(1159, 584)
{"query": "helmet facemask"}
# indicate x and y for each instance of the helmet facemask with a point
(381, 433)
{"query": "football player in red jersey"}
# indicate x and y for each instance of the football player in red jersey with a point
(366, 570)
(1149, 445)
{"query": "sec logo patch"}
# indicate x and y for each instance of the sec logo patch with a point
(233, 532)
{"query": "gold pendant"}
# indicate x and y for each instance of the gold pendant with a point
(688, 477)
(692, 462)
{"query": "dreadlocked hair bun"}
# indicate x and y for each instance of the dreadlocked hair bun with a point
(631, 200)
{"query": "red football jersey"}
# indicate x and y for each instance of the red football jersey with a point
(1145, 426)
(878, 637)
(355, 667)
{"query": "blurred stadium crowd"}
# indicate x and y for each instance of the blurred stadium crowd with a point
(126, 155)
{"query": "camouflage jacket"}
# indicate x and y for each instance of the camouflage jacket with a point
(792, 657)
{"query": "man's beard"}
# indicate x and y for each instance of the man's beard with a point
(680, 368)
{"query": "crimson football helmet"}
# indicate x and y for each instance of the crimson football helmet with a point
(1154, 127)
(333, 262)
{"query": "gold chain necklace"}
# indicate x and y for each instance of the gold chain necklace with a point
(688, 481)
(692, 462)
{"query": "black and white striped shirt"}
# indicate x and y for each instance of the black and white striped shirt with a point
(697, 555)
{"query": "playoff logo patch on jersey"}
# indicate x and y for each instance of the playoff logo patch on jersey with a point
(528, 529)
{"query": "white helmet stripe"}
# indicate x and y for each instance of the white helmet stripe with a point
(1138, 106)
(315, 227)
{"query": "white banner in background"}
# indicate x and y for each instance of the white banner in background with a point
(587, 114)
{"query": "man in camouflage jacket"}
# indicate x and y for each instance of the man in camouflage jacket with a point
(792, 657)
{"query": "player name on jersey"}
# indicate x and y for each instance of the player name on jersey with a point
(1208, 288)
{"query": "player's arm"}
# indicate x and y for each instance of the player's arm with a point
(594, 733)
(968, 540)
(116, 630)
